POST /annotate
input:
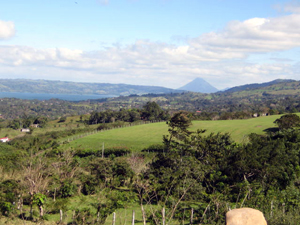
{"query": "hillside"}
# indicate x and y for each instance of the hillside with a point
(66, 87)
(257, 85)
(142, 136)
(276, 98)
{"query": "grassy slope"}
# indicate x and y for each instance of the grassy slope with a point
(238, 129)
(139, 137)
(135, 137)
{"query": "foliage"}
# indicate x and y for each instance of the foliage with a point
(155, 148)
(62, 119)
(39, 199)
(152, 111)
(178, 129)
(67, 189)
(6, 208)
(116, 151)
(288, 121)
(192, 168)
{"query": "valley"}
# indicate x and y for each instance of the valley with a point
(89, 159)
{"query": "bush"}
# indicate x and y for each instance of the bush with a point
(155, 148)
(67, 189)
(6, 208)
(115, 151)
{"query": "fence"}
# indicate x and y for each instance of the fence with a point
(130, 219)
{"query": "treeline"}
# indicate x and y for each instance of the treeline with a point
(150, 111)
(208, 173)
(221, 105)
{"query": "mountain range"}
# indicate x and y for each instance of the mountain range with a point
(257, 85)
(66, 87)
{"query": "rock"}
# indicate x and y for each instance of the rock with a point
(245, 216)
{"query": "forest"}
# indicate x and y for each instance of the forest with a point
(192, 177)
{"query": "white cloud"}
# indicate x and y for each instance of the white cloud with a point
(254, 35)
(219, 57)
(142, 63)
(7, 29)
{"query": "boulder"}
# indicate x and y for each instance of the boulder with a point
(245, 216)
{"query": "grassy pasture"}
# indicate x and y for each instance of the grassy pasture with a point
(141, 136)
(135, 137)
(238, 129)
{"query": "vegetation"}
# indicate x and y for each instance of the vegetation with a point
(89, 166)
(288, 121)
(240, 103)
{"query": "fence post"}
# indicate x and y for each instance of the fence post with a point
(114, 219)
(61, 215)
(133, 217)
(102, 150)
(163, 216)
(192, 215)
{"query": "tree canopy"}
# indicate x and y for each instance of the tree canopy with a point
(288, 121)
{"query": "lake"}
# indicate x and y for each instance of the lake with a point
(43, 96)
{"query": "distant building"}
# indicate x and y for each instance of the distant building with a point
(25, 130)
(4, 139)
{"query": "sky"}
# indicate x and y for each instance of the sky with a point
(151, 42)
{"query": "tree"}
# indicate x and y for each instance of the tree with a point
(178, 129)
(288, 121)
(41, 121)
(152, 111)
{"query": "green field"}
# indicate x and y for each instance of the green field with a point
(141, 136)
(238, 129)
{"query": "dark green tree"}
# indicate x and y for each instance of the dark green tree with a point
(288, 121)
(152, 111)
(41, 120)
(178, 129)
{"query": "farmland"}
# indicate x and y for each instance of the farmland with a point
(141, 136)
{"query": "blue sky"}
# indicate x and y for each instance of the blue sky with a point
(150, 42)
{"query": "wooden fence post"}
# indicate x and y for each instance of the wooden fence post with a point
(114, 219)
(192, 215)
(61, 215)
(133, 217)
(102, 150)
(163, 216)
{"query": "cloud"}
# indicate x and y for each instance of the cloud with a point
(219, 57)
(7, 30)
(293, 6)
(143, 63)
(256, 35)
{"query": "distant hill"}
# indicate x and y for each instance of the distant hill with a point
(256, 85)
(199, 85)
(66, 87)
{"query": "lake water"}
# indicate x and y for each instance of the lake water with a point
(40, 96)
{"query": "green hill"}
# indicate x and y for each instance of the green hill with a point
(142, 136)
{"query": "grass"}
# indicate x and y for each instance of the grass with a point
(238, 129)
(135, 137)
(141, 136)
